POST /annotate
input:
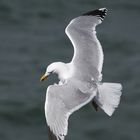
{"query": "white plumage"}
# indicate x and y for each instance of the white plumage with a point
(80, 80)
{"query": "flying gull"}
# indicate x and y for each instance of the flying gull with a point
(81, 79)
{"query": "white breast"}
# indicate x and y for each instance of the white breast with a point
(65, 72)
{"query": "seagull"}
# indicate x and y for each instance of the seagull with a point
(81, 79)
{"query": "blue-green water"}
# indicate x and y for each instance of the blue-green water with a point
(32, 36)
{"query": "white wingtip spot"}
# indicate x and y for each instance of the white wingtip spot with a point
(102, 9)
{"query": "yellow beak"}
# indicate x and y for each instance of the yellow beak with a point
(43, 77)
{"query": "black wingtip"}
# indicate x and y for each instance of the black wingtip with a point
(102, 12)
(51, 136)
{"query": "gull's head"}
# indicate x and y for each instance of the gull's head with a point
(56, 67)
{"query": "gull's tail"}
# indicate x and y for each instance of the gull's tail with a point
(108, 97)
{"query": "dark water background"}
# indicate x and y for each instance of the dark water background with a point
(32, 36)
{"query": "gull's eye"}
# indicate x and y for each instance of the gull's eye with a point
(53, 71)
(50, 72)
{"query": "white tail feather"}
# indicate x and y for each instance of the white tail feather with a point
(108, 97)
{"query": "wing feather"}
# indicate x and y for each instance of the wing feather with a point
(88, 53)
(61, 101)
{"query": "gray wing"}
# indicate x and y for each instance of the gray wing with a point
(61, 101)
(88, 54)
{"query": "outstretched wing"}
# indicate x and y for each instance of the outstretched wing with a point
(61, 101)
(88, 54)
